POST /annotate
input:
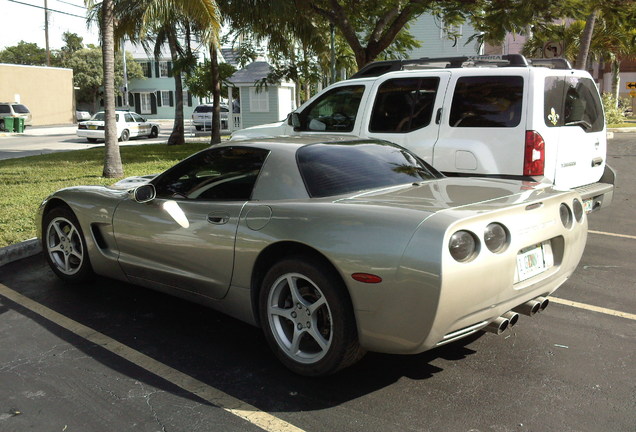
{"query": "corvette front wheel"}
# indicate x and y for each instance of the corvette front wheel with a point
(64, 245)
(308, 318)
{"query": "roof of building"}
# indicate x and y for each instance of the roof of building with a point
(251, 73)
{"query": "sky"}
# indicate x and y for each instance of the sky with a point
(24, 20)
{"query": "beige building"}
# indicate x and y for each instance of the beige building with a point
(46, 91)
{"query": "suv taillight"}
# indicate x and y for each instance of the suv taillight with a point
(534, 155)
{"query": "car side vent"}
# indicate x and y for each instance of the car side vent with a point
(98, 236)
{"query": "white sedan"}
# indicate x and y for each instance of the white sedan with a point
(129, 124)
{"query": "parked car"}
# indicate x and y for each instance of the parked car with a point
(467, 116)
(333, 247)
(14, 109)
(129, 125)
(202, 116)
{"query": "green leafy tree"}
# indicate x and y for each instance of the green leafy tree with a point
(24, 53)
(199, 81)
(87, 65)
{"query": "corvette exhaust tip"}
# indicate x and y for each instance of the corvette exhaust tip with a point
(498, 326)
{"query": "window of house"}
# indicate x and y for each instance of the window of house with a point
(259, 99)
(404, 105)
(146, 69)
(165, 98)
(487, 101)
(146, 103)
(164, 70)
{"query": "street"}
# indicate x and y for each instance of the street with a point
(114, 356)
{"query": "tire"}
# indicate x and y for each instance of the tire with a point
(154, 133)
(65, 247)
(124, 135)
(307, 317)
(1, 125)
(91, 140)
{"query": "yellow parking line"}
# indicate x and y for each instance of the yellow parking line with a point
(612, 234)
(212, 395)
(593, 308)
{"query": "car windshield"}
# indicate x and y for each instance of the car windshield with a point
(20, 109)
(336, 169)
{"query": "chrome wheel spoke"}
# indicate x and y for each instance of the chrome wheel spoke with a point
(316, 336)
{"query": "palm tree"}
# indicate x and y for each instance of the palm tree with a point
(163, 20)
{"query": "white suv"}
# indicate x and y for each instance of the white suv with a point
(498, 116)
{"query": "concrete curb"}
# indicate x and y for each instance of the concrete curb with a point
(19, 251)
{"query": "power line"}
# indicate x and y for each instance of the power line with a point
(49, 9)
(71, 4)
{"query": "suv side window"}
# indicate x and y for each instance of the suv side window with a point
(487, 101)
(335, 111)
(404, 105)
(5, 109)
(572, 101)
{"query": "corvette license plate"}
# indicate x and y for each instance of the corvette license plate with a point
(531, 262)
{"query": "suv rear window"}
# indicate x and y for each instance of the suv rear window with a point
(204, 109)
(20, 109)
(487, 101)
(404, 105)
(572, 101)
(336, 169)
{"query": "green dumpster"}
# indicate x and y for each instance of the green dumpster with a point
(18, 124)
(8, 124)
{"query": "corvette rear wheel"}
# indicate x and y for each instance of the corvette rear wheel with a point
(64, 245)
(308, 318)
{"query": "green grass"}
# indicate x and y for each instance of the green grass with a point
(25, 182)
(622, 125)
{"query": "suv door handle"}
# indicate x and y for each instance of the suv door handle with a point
(597, 161)
(438, 116)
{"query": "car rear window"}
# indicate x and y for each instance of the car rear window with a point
(487, 101)
(572, 101)
(204, 109)
(404, 105)
(336, 169)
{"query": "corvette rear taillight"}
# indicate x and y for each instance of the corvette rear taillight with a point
(534, 155)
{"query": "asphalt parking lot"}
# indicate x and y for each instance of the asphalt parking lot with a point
(113, 356)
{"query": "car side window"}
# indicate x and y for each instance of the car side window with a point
(335, 111)
(129, 118)
(227, 174)
(404, 105)
(572, 101)
(138, 118)
(487, 101)
(4, 109)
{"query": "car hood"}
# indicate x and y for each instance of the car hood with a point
(261, 131)
(132, 182)
(452, 193)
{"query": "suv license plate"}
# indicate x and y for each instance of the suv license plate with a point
(588, 204)
(531, 262)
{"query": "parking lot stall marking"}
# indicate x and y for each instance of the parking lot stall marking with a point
(593, 308)
(192, 385)
(612, 234)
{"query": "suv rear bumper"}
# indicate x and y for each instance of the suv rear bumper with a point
(599, 195)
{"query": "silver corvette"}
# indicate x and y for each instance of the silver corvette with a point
(333, 247)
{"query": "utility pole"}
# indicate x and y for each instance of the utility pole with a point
(125, 87)
(46, 32)
(333, 53)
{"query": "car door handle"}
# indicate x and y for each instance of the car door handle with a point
(438, 116)
(218, 218)
(597, 161)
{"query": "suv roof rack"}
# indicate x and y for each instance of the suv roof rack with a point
(552, 63)
(507, 60)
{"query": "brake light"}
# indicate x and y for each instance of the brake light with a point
(534, 156)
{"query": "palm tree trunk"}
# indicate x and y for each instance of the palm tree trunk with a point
(112, 159)
(216, 97)
(586, 41)
(616, 78)
(178, 130)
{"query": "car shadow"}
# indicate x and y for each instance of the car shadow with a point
(218, 350)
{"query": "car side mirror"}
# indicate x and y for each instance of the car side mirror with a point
(294, 120)
(145, 193)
